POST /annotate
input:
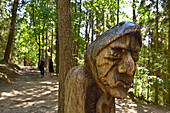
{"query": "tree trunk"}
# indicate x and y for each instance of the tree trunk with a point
(89, 29)
(92, 23)
(75, 41)
(156, 45)
(77, 52)
(117, 11)
(51, 51)
(43, 39)
(57, 43)
(149, 66)
(33, 19)
(134, 8)
(57, 51)
(39, 47)
(46, 41)
(97, 24)
(11, 31)
(86, 32)
(65, 46)
(103, 21)
(168, 77)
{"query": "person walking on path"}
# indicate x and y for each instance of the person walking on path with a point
(51, 69)
(41, 65)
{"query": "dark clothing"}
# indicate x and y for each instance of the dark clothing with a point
(42, 65)
(42, 70)
(51, 69)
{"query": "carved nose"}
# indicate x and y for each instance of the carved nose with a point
(127, 66)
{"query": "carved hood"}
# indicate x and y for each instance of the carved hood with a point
(103, 41)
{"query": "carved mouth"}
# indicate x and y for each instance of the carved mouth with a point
(120, 83)
(124, 84)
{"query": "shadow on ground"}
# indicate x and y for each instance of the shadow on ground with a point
(30, 94)
(128, 106)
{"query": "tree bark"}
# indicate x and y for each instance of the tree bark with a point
(92, 26)
(51, 51)
(103, 21)
(46, 43)
(134, 8)
(43, 39)
(57, 51)
(11, 32)
(57, 43)
(168, 77)
(65, 47)
(156, 48)
(117, 11)
(75, 41)
(97, 23)
(39, 38)
(86, 32)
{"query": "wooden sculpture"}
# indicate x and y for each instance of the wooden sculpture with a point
(110, 64)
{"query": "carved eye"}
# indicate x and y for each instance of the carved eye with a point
(115, 54)
(135, 56)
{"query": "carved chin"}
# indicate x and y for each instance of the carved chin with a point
(118, 92)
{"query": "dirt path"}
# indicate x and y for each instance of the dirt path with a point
(127, 106)
(32, 94)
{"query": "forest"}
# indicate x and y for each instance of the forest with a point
(29, 29)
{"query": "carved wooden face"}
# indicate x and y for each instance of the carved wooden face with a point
(116, 65)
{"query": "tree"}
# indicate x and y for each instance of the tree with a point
(134, 8)
(65, 46)
(168, 66)
(117, 11)
(57, 42)
(11, 32)
(156, 49)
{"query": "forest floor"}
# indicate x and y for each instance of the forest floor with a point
(31, 94)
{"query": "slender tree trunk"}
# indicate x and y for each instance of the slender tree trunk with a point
(148, 66)
(43, 39)
(88, 39)
(65, 46)
(57, 43)
(75, 41)
(103, 21)
(57, 51)
(156, 45)
(89, 29)
(77, 52)
(134, 8)
(86, 31)
(11, 31)
(92, 23)
(46, 40)
(97, 24)
(33, 19)
(117, 11)
(51, 51)
(168, 77)
(39, 38)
